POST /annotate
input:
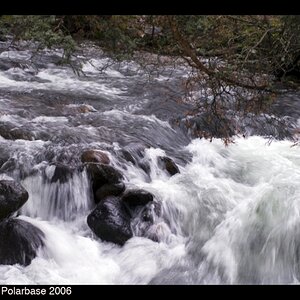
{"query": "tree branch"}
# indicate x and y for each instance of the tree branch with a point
(211, 72)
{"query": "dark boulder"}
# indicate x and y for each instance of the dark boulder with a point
(168, 164)
(12, 197)
(110, 221)
(95, 156)
(103, 174)
(20, 241)
(62, 173)
(135, 198)
(109, 190)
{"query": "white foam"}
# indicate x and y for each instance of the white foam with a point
(19, 55)
(59, 80)
(233, 217)
(47, 119)
(229, 199)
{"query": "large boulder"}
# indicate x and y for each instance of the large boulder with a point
(135, 198)
(109, 190)
(12, 197)
(110, 221)
(95, 156)
(166, 163)
(103, 174)
(20, 241)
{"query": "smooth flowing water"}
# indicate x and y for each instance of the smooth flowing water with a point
(232, 214)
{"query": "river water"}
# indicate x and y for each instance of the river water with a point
(232, 214)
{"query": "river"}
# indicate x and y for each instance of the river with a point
(232, 214)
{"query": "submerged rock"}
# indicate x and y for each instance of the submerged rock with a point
(142, 220)
(11, 132)
(103, 174)
(110, 221)
(109, 190)
(145, 221)
(62, 173)
(73, 109)
(168, 164)
(95, 156)
(145, 166)
(20, 241)
(137, 197)
(128, 156)
(12, 197)
(135, 153)
(4, 157)
(7, 64)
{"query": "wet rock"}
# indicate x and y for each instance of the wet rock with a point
(20, 241)
(10, 132)
(3, 158)
(103, 174)
(135, 153)
(74, 109)
(95, 156)
(22, 134)
(84, 108)
(9, 165)
(135, 198)
(109, 190)
(13, 165)
(137, 150)
(110, 221)
(12, 197)
(127, 156)
(168, 164)
(147, 215)
(62, 173)
(8, 64)
(145, 166)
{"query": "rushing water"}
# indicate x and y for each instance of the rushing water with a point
(232, 215)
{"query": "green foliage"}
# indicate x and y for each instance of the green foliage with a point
(41, 29)
(251, 50)
(270, 43)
